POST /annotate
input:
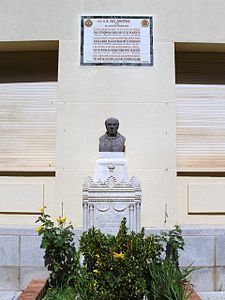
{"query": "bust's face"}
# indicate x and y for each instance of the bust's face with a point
(112, 127)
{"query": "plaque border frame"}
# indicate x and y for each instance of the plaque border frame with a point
(82, 63)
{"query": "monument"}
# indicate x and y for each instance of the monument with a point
(111, 195)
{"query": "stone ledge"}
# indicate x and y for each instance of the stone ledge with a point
(35, 290)
(212, 295)
(192, 230)
(17, 230)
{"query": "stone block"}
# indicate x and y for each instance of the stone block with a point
(9, 250)
(212, 296)
(203, 279)
(9, 278)
(220, 251)
(199, 251)
(30, 252)
(152, 231)
(17, 230)
(220, 278)
(9, 295)
(203, 230)
(29, 273)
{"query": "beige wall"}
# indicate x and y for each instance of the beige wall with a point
(143, 98)
(21, 196)
(200, 200)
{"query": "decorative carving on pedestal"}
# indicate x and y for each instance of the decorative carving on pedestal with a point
(105, 204)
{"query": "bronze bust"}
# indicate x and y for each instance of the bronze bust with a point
(112, 140)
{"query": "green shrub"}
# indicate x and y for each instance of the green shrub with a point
(168, 282)
(174, 242)
(60, 294)
(165, 280)
(60, 254)
(116, 265)
(127, 266)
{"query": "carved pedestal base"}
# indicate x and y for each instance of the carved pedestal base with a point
(106, 204)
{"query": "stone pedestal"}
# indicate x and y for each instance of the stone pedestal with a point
(111, 196)
(111, 163)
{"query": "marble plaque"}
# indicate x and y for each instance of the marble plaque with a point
(117, 40)
(108, 216)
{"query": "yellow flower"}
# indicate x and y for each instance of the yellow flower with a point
(118, 255)
(42, 209)
(38, 229)
(98, 262)
(94, 283)
(96, 271)
(61, 220)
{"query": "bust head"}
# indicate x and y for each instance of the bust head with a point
(112, 140)
(112, 125)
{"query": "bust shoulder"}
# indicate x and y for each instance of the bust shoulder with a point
(103, 137)
(122, 137)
